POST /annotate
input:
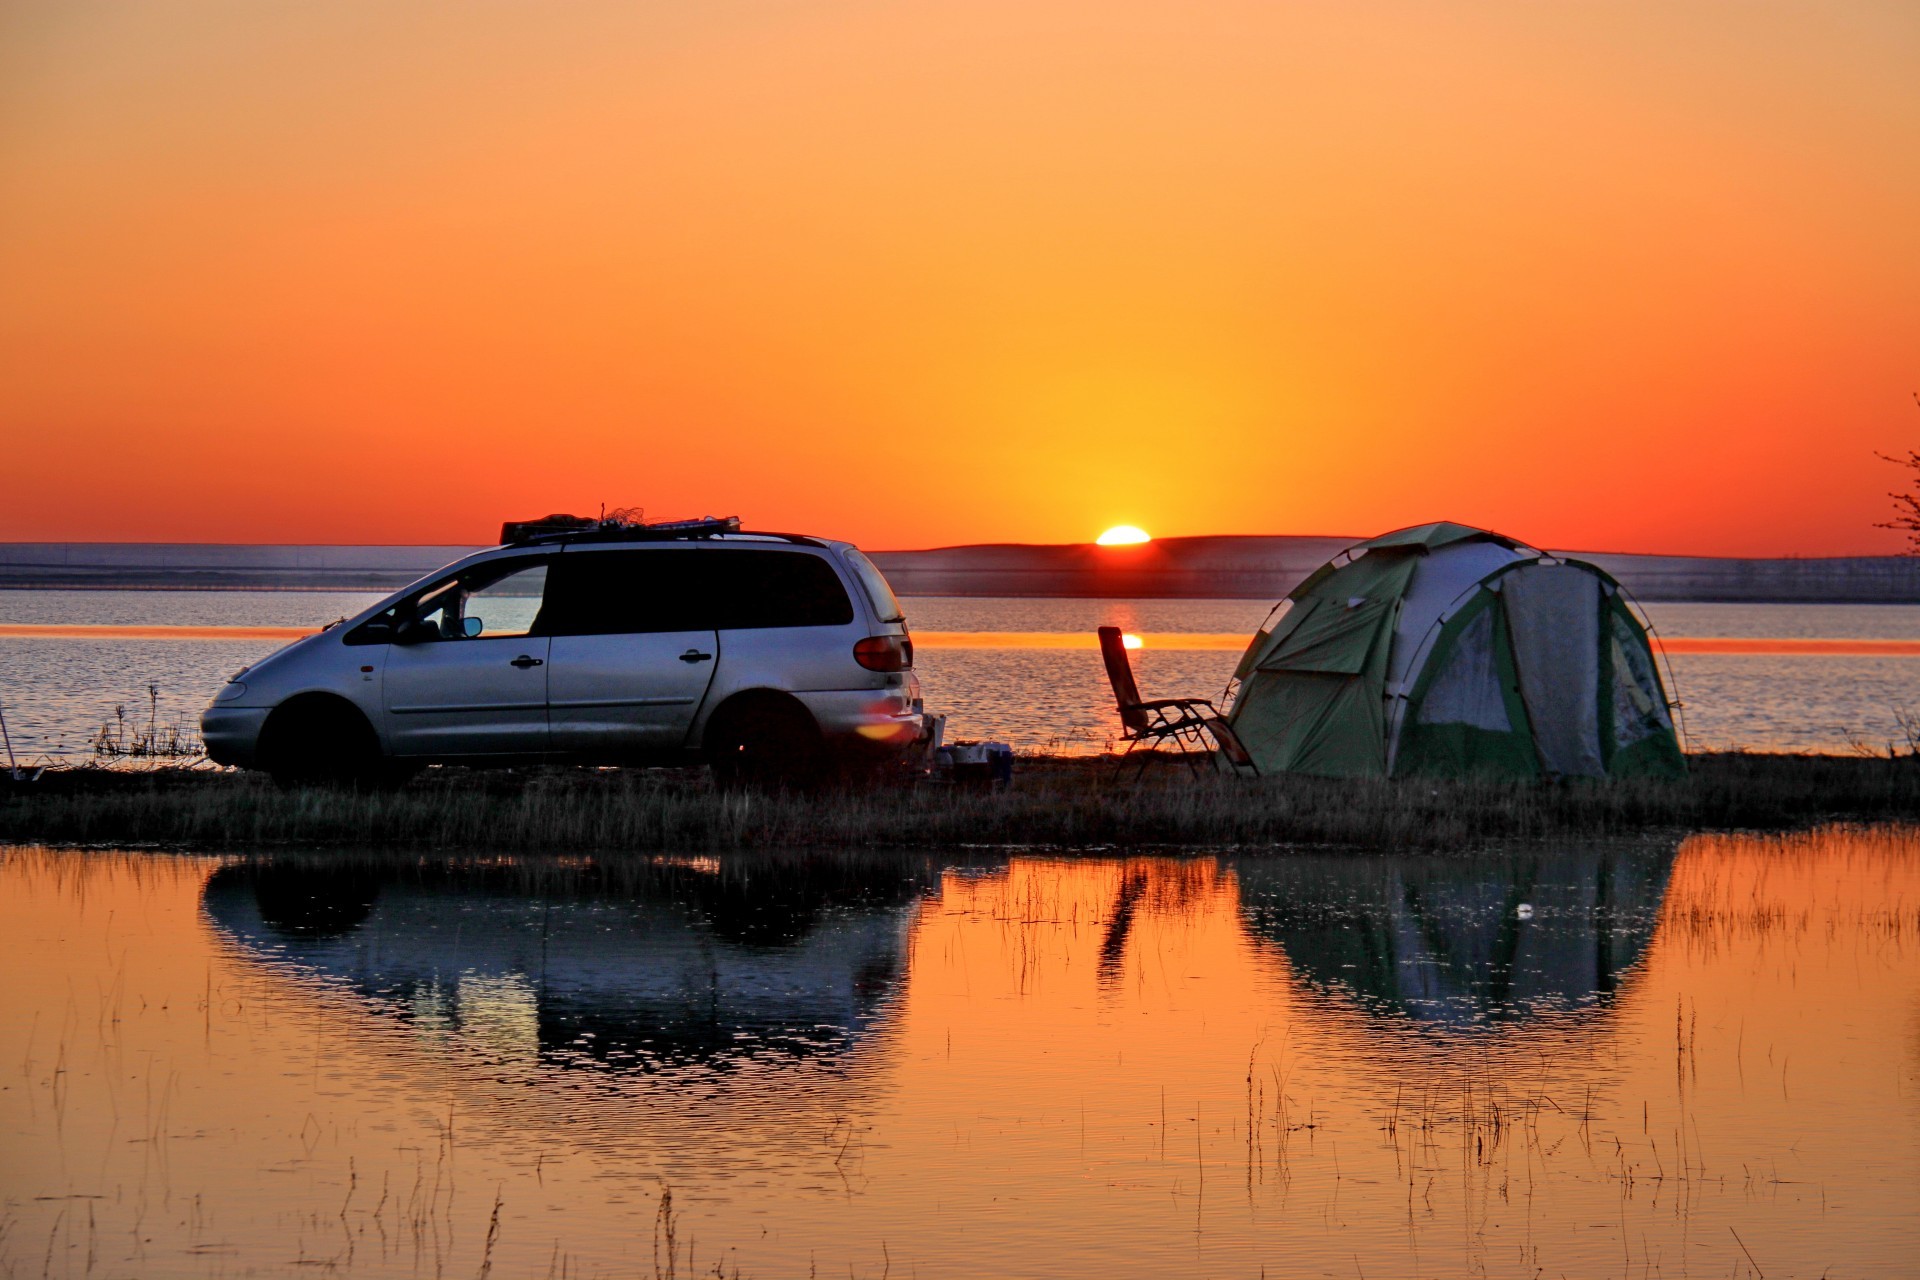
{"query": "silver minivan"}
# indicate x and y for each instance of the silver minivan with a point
(770, 656)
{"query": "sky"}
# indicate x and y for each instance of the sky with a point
(1601, 275)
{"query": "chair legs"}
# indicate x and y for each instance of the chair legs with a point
(1189, 737)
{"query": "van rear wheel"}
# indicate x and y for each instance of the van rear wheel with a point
(766, 745)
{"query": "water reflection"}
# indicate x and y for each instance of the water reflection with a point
(1462, 943)
(1018, 1065)
(642, 967)
(647, 965)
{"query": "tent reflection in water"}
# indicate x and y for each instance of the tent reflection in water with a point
(1443, 942)
(1449, 650)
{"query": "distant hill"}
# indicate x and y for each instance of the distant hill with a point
(1230, 567)
(1266, 568)
(1256, 568)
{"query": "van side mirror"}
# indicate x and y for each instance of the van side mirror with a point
(471, 627)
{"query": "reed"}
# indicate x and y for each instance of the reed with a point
(1055, 802)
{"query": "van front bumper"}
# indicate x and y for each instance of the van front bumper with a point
(232, 734)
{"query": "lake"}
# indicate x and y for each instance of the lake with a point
(1760, 677)
(1653, 1057)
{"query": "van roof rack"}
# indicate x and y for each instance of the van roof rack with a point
(554, 529)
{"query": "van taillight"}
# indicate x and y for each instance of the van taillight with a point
(884, 653)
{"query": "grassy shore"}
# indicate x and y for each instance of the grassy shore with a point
(1062, 803)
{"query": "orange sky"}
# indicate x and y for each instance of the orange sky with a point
(1640, 276)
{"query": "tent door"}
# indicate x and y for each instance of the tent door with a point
(1553, 612)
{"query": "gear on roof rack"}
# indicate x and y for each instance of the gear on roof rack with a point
(562, 526)
(513, 531)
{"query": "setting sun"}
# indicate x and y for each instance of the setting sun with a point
(1123, 535)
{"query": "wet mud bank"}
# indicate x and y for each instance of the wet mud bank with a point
(1054, 802)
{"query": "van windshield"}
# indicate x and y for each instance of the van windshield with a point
(886, 605)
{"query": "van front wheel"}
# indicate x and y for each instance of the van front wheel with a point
(320, 741)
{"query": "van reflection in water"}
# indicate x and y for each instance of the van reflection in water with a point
(654, 966)
(1459, 944)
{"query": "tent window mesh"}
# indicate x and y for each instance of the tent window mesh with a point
(1467, 690)
(1639, 710)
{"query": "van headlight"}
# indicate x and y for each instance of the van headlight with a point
(233, 690)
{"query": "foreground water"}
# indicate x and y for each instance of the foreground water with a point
(1824, 678)
(1613, 1060)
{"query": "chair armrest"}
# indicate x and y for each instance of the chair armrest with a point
(1182, 703)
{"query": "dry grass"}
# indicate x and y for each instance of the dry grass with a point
(1058, 802)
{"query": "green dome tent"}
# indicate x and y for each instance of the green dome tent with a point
(1444, 649)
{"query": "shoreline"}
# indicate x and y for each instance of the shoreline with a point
(1059, 804)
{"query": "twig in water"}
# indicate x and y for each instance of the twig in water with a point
(493, 1234)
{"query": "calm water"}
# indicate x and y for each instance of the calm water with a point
(59, 691)
(1691, 1059)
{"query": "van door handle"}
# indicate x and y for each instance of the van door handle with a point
(694, 655)
(523, 662)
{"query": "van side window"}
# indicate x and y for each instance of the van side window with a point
(505, 606)
(600, 593)
(777, 589)
(501, 598)
(691, 589)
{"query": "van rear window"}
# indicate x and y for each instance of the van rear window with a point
(691, 589)
(886, 605)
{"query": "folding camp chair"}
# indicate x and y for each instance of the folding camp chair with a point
(1186, 723)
